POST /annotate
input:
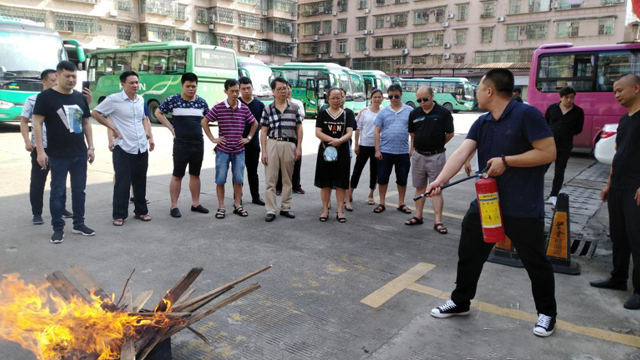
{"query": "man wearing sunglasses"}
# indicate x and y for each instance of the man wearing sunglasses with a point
(430, 128)
(392, 147)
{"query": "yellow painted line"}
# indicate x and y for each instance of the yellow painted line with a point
(596, 333)
(444, 213)
(392, 288)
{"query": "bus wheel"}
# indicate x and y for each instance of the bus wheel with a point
(410, 103)
(153, 105)
(448, 106)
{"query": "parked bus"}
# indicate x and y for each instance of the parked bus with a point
(27, 50)
(311, 81)
(260, 75)
(160, 67)
(455, 94)
(358, 90)
(376, 79)
(591, 71)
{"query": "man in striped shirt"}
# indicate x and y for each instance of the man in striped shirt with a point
(231, 116)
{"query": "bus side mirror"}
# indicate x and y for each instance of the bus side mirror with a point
(79, 49)
(311, 85)
(244, 72)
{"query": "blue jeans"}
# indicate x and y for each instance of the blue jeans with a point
(222, 167)
(60, 167)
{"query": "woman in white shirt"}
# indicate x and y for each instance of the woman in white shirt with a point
(365, 148)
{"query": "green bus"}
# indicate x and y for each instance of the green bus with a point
(311, 81)
(260, 75)
(27, 50)
(358, 91)
(160, 67)
(376, 79)
(455, 94)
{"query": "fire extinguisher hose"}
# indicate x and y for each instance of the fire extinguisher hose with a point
(477, 174)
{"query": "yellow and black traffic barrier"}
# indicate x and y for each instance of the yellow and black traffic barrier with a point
(504, 253)
(559, 241)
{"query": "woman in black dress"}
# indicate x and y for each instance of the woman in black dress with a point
(334, 127)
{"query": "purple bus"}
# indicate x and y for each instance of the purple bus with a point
(591, 71)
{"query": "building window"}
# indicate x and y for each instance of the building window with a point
(311, 28)
(256, 3)
(225, 16)
(573, 4)
(249, 45)
(362, 23)
(361, 44)
(181, 11)
(281, 49)
(399, 19)
(181, 35)
(343, 5)
(225, 41)
(282, 5)
(488, 9)
(204, 38)
(586, 27)
(514, 6)
(38, 16)
(363, 4)
(399, 42)
(463, 11)
(423, 60)
(326, 27)
(529, 6)
(427, 39)
(315, 48)
(280, 26)
(378, 43)
(316, 8)
(486, 35)
(458, 58)
(77, 24)
(124, 5)
(201, 15)
(386, 64)
(124, 32)
(160, 7)
(522, 55)
(342, 25)
(461, 37)
(421, 16)
(379, 2)
(250, 21)
(342, 46)
(379, 21)
(605, 26)
(150, 32)
(529, 31)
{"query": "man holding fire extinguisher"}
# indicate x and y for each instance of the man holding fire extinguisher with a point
(515, 142)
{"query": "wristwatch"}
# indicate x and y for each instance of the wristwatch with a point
(91, 148)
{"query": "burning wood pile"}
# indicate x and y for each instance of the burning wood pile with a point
(73, 327)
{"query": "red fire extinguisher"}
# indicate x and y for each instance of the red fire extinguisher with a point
(490, 214)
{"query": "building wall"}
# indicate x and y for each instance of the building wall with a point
(260, 28)
(430, 32)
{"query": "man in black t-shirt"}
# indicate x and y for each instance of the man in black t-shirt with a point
(252, 149)
(430, 127)
(65, 112)
(566, 121)
(623, 193)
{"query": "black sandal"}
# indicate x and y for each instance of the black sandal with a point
(220, 214)
(414, 221)
(324, 218)
(341, 219)
(404, 208)
(380, 208)
(240, 211)
(439, 227)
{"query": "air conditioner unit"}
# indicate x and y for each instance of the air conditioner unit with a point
(371, 32)
(405, 51)
(450, 16)
(113, 13)
(447, 46)
(445, 24)
(500, 18)
(366, 11)
(388, 18)
(320, 32)
(319, 56)
(366, 53)
(335, 32)
(429, 40)
(365, 32)
(330, 55)
(335, 13)
(212, 27)
(446, 56)
(315, 37)
(294, 40)
(347, 54)
(265, 13)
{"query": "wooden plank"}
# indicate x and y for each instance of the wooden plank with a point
(205, 301)
(64, 286)
(142, 354)
(128, 350)
(200, 335)
(88, 282)
(220, 289)
(128, 299)
(177, 290)
(142, 299)
(185, 296)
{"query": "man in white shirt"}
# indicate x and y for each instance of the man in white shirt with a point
(123, 113)
(295, 180)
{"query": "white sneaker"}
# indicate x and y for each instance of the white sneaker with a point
(447, 310)
(545, 326)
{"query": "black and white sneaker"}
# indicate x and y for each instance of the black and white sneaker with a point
(37, 220)
(57, 237)
(545, 325)
(447, 310)
(83, 230)
(67, 214)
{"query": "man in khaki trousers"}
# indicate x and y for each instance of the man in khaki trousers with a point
(281, 141)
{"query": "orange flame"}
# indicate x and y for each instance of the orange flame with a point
(51, 327)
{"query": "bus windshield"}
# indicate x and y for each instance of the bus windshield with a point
(260, 76)
(22, 59)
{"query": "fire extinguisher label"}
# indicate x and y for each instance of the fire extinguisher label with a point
(490, 210)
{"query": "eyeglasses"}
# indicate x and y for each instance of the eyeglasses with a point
(421, 100)
(282, 89)
(395, 96)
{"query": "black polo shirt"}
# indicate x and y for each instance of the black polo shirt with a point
(429, 129)
(564, 126)
(520, 189)
(256, 107)
(625, 170)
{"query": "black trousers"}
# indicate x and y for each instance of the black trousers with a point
(295, 179)
(562, 158)
(37, 184)
(251, 161)
(527, 235)
(367, 153)
(624, 224)
(130, 170)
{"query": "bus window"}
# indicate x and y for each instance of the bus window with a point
(305, 75)
(122, 62)
(158, 61)
(613, 64)
(215, 59)
(559, 70)
(140, 61)
(437, 86)
(292, 78)
(177, 63)
(449, 88)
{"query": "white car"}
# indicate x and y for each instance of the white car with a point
(606, 146)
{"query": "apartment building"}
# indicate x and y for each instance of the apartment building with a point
(451, 37)
(260, 28)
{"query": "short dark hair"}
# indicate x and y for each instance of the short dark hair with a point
(230, 83)
(66, 65)
(126, 74)
(189, 77)
(517, 89)
(633, 77)
(45, 73)
(502, 81)
(394, 87)
(245, 81)
(567, 90)
(279, 79)
(374, 91)
(335, 88)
